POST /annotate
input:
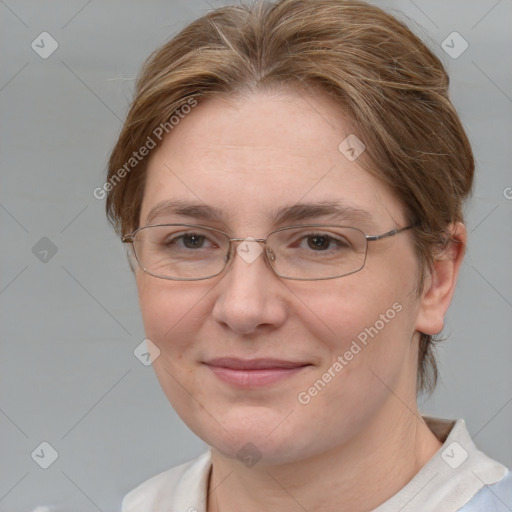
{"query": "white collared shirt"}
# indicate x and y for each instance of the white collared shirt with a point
(459, 477)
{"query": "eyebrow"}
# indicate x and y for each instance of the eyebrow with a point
(286, 215)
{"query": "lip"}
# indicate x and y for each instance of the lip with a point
(251, 373)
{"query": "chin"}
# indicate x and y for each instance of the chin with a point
(257, 432)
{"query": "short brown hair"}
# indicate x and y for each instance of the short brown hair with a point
(392, 88)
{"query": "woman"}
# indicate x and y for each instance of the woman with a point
(291, 179)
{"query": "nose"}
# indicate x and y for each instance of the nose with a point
(250, 297)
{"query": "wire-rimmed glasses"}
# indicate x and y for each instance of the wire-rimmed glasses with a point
(310, 252)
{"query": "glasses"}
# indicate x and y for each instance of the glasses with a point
(190, 252)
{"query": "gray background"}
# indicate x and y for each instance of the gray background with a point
(70, 324)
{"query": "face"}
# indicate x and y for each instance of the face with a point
(345, 342)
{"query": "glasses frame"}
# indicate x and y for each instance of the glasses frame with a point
(129, 239)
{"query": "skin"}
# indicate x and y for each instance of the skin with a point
(362, 436)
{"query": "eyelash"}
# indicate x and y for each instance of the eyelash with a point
(330, 238)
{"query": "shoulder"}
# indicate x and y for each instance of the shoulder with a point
(458, 478)
(165, 490)
(492, 498)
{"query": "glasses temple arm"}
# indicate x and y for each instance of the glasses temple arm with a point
(393, 232)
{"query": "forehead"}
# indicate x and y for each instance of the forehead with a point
(250, 157)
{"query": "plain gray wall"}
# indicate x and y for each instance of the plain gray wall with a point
(70, 324)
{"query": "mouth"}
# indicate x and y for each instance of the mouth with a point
(252, 373)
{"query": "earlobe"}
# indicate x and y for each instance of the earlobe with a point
(440, 284)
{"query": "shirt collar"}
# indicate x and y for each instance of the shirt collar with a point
(456, 472)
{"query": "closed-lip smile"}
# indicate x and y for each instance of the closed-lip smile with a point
(251, 373)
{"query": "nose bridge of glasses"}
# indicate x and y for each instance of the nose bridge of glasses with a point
(249, 238)
(249, 248)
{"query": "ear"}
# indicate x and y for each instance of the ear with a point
(440, 284)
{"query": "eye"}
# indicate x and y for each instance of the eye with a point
(318, 242)
(322, 242)
(191, 240)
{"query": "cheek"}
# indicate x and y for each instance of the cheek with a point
(349, 308)
(169, 312)
(366, 358)
(370, 324)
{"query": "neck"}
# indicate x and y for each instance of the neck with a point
(357, 476)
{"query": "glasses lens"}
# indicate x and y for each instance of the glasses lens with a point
(180, 251)
(317, 252)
